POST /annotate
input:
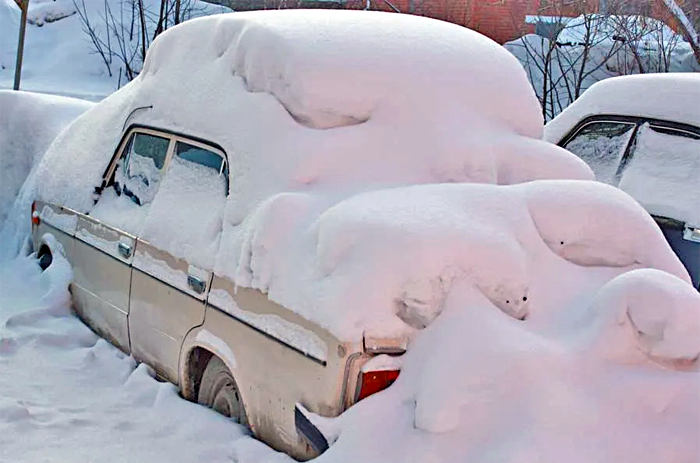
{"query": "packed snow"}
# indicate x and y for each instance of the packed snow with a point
(664, 175)
(541, 328)
(28, 124)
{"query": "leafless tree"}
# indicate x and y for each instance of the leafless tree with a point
(685, 24)
(585, 46)
(121, 35)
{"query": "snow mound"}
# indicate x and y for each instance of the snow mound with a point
(310, 69)
(41, 13)
(590, 226)
(649, 312)
(28, 124)
(671, 97)
(408, 247)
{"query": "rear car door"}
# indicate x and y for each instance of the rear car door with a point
(175, 253)
(662, 172)
(105, 240)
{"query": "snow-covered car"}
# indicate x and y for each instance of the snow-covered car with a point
(282, 199)
(642, 135)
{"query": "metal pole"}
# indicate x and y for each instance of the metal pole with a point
(20, 43)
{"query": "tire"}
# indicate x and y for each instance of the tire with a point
(219, 391)
(45, 258)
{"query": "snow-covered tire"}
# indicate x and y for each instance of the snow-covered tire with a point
(219, 391)
(44, 257)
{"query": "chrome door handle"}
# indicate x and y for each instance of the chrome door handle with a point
(197, 284)
(124, 250)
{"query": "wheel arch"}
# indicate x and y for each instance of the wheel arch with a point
(198, 347)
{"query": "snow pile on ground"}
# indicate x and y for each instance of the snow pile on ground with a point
(60, 58)
(68, 396)
(594, 48)
(476, 385)
(28, 125)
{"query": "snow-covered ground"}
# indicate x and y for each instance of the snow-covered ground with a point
(68, 396)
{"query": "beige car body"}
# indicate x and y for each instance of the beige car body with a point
(160, 320)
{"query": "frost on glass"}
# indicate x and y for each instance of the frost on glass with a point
(185, 218)
(125, 203)
(601, 145)
(663, 173)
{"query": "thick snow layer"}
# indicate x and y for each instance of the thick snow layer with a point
(664, 175)
(419, 98)
(673, 97)
(28, 124)
(407, 247)
(647, 33)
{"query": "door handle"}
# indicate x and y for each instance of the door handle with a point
(197, 284)
(124, 250)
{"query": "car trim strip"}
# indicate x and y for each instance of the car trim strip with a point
(269, 336)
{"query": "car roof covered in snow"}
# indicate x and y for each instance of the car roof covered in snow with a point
(672, 96)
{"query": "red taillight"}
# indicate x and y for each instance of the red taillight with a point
(372, 382)
(35, 215)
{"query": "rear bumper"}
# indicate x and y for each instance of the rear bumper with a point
(309, 431)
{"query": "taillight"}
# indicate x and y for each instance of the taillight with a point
(372, 382)
(35, 215)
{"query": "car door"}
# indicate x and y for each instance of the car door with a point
(175, 253)
(662, 173)
(105, 240)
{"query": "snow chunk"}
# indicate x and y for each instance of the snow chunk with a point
(594, 224)
(652, 312)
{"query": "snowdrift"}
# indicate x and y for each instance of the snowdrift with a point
(387, 177)
(28, 124)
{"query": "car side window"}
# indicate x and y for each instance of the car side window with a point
(602, 145)
(133, 182)
(186, 216)
(139, 170)
(204, 157)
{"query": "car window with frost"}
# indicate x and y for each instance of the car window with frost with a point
(135, 182)
(663, 173)
(185, 218)
(601, 145)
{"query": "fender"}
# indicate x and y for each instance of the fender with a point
(200, 336)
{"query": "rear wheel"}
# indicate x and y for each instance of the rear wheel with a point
(219, 391)
(45, 258)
